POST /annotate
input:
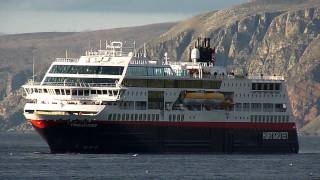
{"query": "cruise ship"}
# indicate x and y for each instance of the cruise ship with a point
(116, 100)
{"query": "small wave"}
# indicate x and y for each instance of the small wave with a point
(39, 152)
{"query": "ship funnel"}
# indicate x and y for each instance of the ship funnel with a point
(202, 51)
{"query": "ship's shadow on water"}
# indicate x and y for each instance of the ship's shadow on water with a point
(27, 156)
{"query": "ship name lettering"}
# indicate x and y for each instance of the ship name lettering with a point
(275, 135)
(83, 125)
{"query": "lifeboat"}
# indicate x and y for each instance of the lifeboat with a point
(203, 98)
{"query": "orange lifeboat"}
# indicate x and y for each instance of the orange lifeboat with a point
(203, 98)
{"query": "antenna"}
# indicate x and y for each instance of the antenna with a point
(134, 49)
(166, 57)
(32, 68)
(144, 50)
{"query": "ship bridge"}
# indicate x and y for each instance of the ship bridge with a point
(95, 76)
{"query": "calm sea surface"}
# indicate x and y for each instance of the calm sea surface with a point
(26, 156)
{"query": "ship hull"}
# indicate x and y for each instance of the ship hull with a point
(167, 137)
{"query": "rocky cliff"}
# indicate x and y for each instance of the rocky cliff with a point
(269, 37)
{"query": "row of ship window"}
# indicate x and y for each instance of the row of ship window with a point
(144, 93)
(260, 107)
(168, 83)
(253, 107)
(70, 81)
(269, 119)
(260, 95)
(236, 95)
(149, 71)
(144, 117)
(176, 117)
(256, 86)
(231, 84)
(266, 86)
(75, 69)
(74, 92)
(133, 117)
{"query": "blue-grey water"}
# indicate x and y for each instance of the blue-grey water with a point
(26, 156)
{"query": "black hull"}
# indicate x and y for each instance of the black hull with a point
(115, 137)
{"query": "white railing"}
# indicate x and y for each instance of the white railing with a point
(81, 84)
(31, 83)
(67, 60)
(139, 61)
(279, 78)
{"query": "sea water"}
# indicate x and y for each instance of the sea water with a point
(26, 156)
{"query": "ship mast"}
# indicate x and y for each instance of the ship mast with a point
(32, 68)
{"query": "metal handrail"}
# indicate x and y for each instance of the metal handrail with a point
(74, 84)
(266, 77)
(67, 60)
(80, 84)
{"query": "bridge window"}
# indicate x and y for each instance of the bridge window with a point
(74, 69)
(86, 92)
(77, 81)
(57, 91)
(80, 92)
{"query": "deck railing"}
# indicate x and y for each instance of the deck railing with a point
(262, 77)
(31, 83)
(67, 60)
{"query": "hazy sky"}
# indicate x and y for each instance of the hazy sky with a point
(21, 16)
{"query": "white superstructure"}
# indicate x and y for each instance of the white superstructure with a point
(115, 84)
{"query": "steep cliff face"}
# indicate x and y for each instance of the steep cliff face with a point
(280, 38)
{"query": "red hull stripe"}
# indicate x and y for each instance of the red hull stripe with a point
(228, 125)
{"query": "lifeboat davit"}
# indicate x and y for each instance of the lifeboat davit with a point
(203, 98)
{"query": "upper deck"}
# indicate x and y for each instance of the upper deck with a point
(108, 68)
